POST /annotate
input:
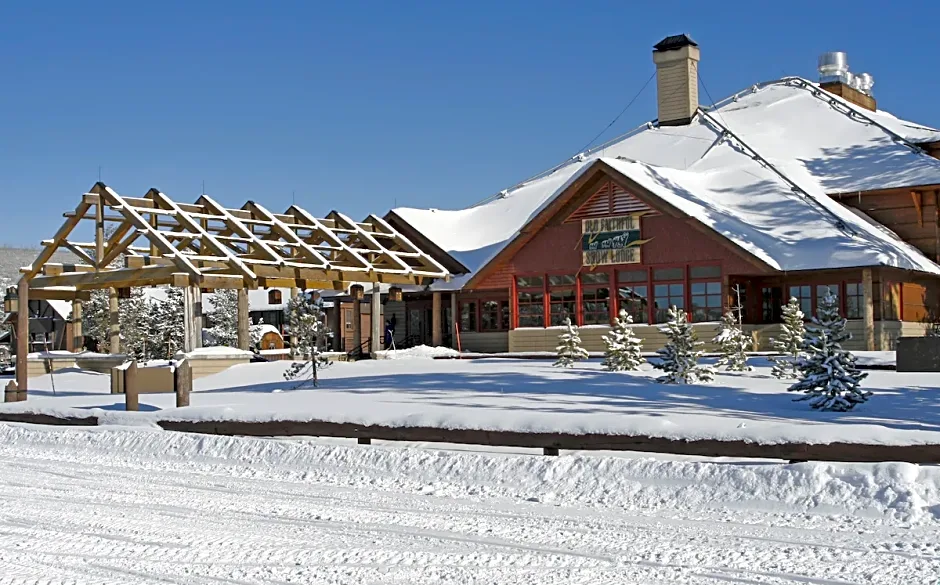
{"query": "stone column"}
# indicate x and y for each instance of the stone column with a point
(868, 308)
(114, 320)
(22, 338)
(78, 338)
(244, 323)
(436, 330)
(378, 324)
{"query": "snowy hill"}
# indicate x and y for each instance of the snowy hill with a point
(12, 259)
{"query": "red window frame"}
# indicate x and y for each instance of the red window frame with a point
(521, 318)
(472, 314)
(807, 312)
(684, 295)
(590, 318)
(709, 294)
(558, 309)
(638, 316)
(503, 317)
(859, 296)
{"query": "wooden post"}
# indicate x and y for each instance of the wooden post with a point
(22, 338)
(357, 324)
(99, 233)
(192, 319)
(9, 393)
(453, 319)
(868, 306)
(244, 322)
(436, 331)
(114, 319)
(183, 383)
(131, 398)
(78, 337)
(337, 325)
(378, 324)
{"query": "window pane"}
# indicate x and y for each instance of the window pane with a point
(468, 317)
(822, 289)
(530, 282)
(714, 288)
(714, 301)
(561, 280)
(698, 288)
(668, 274)
(635, 302)
(631, 276)
(661, 290)
(852, 288)
(595, 278)
(675, 289)
(852, 307)
(704, 271)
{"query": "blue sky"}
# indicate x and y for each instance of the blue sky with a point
(359, 106)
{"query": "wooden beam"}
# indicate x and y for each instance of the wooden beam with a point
(918, 198)
(99, 235)
(117, 278)
(82, 254)
(57, 240)
(57, 294)
(54, 269)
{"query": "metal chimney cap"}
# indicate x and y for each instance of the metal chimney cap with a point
(674, 42)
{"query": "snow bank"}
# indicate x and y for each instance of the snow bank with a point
(215, 352)
(420, 351)
(897, 492)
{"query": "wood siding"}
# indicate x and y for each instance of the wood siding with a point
(610, 199)
(915, 218)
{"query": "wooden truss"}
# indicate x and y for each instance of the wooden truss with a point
(154, 240)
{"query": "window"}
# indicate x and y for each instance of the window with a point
(348, 319)
(802, 293)
(274, 297)
(632, 276)
(854, 300)
(468, 316)
(696, 272)
(668, 274)
(634, 299)
(562, 299)
(666, 296)
(771, 298)
(823, 289)
(595, 298)
(494, 315)
(706, 301)
(530, 296)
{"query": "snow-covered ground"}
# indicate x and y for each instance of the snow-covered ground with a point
(522, 395)
(136, 506)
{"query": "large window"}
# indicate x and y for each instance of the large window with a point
(595, 298)
(823, 289)
(770, 301)
(494, 315)
(633, 294)
(530, 296)
(468, 316)
(854, 300)
(562, 299)
(803, 295)
(668, 294)
(706, 301)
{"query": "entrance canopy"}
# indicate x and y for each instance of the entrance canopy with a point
(204, 244)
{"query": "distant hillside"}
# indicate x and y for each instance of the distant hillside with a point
(11, 259)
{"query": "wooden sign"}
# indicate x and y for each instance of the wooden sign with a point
(611, 240)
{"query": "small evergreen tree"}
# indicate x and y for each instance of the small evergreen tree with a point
(224, 318)
(569, 346)
(790, 342)
(307, 323)
(167, 327)
(135, 317)
(733, 344)
(96, 319)
(679, 358)
(623, 347)
(828, 375)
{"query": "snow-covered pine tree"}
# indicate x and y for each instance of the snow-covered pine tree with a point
(790, 342)
(256, 332)
(167, 326)
(96, 319)
(623, 347)
(733, 344)
(308, 327)
(136, 318)
(828, 375)
(224, 318)
(679, 358)
(569, 348)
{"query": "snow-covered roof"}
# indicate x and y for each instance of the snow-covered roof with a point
(756, 168)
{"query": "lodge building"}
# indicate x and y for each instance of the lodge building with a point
(789, 188)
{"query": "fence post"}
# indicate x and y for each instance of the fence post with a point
(183, 382)
(131, 401)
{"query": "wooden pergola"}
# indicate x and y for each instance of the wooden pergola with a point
(154, 240)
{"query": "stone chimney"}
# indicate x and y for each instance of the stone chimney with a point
(676, 60)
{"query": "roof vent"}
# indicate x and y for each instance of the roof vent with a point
(834, 68)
